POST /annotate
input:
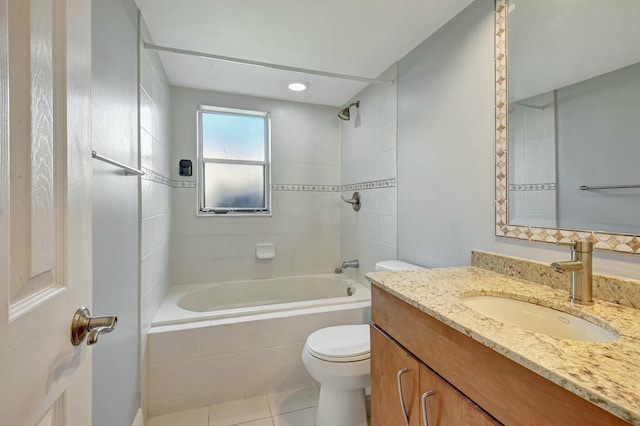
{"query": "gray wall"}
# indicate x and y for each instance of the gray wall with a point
(598, 144)
(446, 148)
(445, 141)
(116, 393)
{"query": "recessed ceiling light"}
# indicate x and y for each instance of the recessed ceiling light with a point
(298, 86)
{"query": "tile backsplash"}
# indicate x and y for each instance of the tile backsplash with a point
(613, 289)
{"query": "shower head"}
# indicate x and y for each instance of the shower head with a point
(345, 114)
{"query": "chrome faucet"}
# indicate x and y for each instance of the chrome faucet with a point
(581, 270)
(351, 264)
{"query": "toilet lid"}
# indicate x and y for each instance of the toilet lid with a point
(342, 343)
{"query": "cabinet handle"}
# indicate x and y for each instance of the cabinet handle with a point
(425, 395)
(404, 409)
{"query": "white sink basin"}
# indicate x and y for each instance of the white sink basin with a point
(538, 318)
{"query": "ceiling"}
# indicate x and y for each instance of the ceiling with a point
(355, 37)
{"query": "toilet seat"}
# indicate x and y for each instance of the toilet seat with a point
(343, 343)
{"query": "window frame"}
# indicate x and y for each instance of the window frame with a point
(201, 210)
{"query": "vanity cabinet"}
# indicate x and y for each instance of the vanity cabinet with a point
(398, 376)
(391, 364)
(507, 391)
(446, 406)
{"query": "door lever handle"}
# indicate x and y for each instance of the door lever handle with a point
(84, 325)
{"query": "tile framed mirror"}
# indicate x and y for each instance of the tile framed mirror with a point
(568, 121)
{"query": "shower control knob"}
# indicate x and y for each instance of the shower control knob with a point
(84, 326)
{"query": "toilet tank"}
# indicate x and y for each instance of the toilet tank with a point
(395, 265)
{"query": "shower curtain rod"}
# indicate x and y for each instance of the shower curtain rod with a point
(151, 46)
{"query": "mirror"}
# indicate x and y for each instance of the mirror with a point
(568, 121)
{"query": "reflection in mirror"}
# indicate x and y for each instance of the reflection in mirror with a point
(573, 108)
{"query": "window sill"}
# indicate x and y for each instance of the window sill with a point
(233, 214)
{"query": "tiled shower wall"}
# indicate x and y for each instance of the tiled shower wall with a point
(532, 161)
(305, 224)
(156, 194)
(369, 167)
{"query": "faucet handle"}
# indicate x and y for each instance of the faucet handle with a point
(583, 245)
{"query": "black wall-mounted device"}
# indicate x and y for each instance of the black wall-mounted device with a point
(185, 168)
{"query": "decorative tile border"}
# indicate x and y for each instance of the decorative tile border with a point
(155, 177)
(626, 243)
(532, 187)
(183, 184)
(385, 183)
(376, 184)
(314, 188)
(152, 176)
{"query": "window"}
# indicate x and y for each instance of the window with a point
(233, 160)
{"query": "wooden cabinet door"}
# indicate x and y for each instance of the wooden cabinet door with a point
(447, 406)
(387, 359)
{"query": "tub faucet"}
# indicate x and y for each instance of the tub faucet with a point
(581, 270)
(351, 264)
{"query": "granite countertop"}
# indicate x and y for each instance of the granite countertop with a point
(605, 373)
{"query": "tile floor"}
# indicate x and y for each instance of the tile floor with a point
(290, 408)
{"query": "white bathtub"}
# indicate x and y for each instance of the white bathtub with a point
(203, 302)
(222, 341)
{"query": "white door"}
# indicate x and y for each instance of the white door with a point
(45, 210)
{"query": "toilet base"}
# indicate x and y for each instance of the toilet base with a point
(340, 407)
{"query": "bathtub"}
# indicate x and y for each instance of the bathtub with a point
(210, 343)
(203, 302)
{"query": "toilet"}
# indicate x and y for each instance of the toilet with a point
(339, 358)
(395, 265)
